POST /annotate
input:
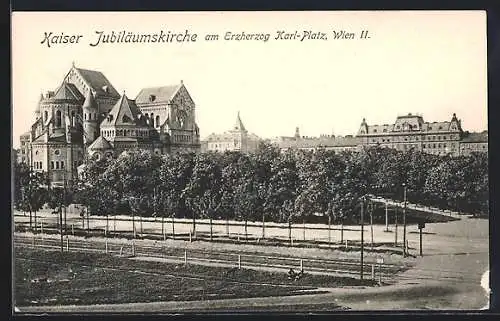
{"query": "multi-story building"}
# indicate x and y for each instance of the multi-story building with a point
(474, 142)
(408, 132)
(325, 142)
(236, 139)
(86, 115)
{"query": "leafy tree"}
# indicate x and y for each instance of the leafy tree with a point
(282, 187)
(202, 192)
(246, 198)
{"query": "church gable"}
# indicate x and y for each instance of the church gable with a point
(183, 98)
(125, 112)
(85, 80)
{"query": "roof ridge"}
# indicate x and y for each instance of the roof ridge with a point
(93, 70)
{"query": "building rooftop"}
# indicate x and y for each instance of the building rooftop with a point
(163, 94)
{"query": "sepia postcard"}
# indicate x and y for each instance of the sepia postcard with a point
(240, 162)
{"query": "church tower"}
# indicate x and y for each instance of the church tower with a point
(90, 114)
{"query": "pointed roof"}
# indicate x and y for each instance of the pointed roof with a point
(157, 94)
(125, 112)
(238, 125)
(66, 92)
(89, 103)
(99, 83)
(100, 144)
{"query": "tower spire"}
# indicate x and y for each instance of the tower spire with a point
(239, 124)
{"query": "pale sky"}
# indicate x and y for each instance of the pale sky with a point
(430, 63)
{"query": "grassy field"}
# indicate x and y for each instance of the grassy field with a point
(48, 278)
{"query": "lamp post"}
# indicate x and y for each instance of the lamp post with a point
(362, 235)
(404, 219)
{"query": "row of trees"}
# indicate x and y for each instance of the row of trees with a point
(266, 185)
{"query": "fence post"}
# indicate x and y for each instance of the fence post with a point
(185, 257)
(190, 237)
(346, 244)
(72, 229)
(373, 271)
(106, 246)
(67, 243)
(133, 248)
(301, 264)
(41, 227)
(380, 273)
(121, 250)
(239, 261)
(114, 223)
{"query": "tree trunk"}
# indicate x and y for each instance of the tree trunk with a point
(65, 224)
(211, 230)
(246, 231)
(30, 218)
(88, 220)
(263, 226)
(227, 226)
(329, 230)
(396, 227)
(371, 227)
(386, 218)
(133, 224)
(342, 232)
(140, 222)
(173, 228)
(35, 222)
(61, 228)
(162, 225)
(290, 232)
(304, 229)
(194, 225)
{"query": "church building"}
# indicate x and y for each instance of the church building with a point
(87, 117)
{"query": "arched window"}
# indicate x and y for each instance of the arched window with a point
(58, 118)
(157, 121)
(152, 119)
(45, 115)
(84, 116)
